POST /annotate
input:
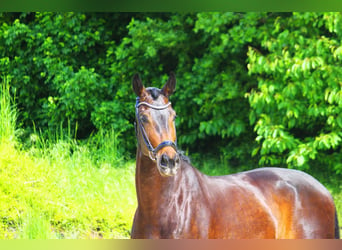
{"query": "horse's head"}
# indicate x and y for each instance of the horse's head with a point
(155, 126)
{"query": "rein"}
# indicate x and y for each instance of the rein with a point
(152, 151)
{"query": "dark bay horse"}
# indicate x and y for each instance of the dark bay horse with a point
(177, 201)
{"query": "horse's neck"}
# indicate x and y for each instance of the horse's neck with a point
(148, 182)
(152, 189)
(164, 203)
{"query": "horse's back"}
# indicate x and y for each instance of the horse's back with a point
(299, 205)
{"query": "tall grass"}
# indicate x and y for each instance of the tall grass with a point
(60, 187)
(8, 114)
(64, 196)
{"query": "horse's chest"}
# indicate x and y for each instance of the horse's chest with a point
(183, 217)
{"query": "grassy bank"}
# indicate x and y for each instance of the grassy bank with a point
(59, 195)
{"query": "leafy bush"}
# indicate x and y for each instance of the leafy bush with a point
(56, 62)
(296, 108)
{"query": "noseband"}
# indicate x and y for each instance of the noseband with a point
(151, 150)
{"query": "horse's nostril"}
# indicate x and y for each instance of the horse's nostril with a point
(177, 160)
(164, 161)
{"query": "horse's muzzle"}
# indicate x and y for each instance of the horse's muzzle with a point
(168, 166)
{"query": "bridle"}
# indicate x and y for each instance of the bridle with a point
(138, 124)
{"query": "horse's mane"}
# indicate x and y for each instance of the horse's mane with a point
(184, 157)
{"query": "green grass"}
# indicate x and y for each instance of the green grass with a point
(56, 194)
(8, 114)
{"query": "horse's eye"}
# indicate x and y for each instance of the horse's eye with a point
(174, 118)
(143, 118)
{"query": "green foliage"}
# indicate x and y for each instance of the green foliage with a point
(296, 108)
(56, 61)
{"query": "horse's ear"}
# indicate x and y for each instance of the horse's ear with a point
(138, 86)
(170, 85)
